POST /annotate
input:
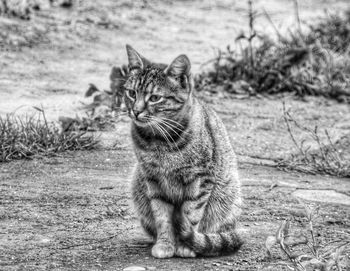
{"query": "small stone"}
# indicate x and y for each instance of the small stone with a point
(134, 268)
(216, 264)
(45, 240)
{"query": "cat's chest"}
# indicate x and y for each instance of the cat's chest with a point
(165, 165)
(171, 172)
(173, 164)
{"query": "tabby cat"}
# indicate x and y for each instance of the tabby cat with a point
(185, 187)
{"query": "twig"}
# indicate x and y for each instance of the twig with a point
(286, 120)
(296, 10)
(252, 33)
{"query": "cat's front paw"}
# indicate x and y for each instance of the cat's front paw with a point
(184, 252)
(163, 250)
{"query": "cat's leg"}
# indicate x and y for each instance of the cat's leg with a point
(142, 204)
(165, 242)
(162, 212)
(191, 213)
(155, 214)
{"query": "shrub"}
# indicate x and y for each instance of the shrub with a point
(316, 63)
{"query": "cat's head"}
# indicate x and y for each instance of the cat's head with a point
(156, 92)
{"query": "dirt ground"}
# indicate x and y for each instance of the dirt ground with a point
(73, 211)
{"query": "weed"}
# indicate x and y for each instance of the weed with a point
(327, 159)
(33, 135)
(303, 250)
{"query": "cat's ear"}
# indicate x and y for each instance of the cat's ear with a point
(180, 71)
(136, 61)
(179, 67)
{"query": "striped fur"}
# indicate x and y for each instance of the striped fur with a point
(185, 188)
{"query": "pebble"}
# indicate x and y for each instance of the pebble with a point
(134, 268)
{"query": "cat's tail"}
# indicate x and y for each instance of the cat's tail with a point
(211, 244)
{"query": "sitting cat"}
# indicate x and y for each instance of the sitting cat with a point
(185, 187)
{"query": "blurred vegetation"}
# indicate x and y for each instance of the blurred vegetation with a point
(313, 62)
(25, 137)
(24, 8)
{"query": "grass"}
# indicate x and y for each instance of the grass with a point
(22, 138)
(313, 63)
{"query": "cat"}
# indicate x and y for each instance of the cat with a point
(185, 187)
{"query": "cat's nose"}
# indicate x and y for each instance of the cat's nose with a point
(137, 113)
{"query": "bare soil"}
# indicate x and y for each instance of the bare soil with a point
(73, 211)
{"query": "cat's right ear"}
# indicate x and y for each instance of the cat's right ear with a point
(136, 61)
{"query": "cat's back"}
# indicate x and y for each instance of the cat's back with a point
(217, 129)
(224, 155)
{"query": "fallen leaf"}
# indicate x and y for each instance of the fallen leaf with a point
(282, 231)
(295, 240)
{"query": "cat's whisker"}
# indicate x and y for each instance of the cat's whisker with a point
(169, 127)
(164, 135)
(161, 130)
(172, 139)
(174, 121)
(150, 124)
(172, 125)
(169, 136)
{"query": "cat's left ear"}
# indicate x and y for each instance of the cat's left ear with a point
(180, 70)
(180, 66)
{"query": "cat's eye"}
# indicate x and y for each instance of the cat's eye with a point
(155, 98)
(131, 93)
